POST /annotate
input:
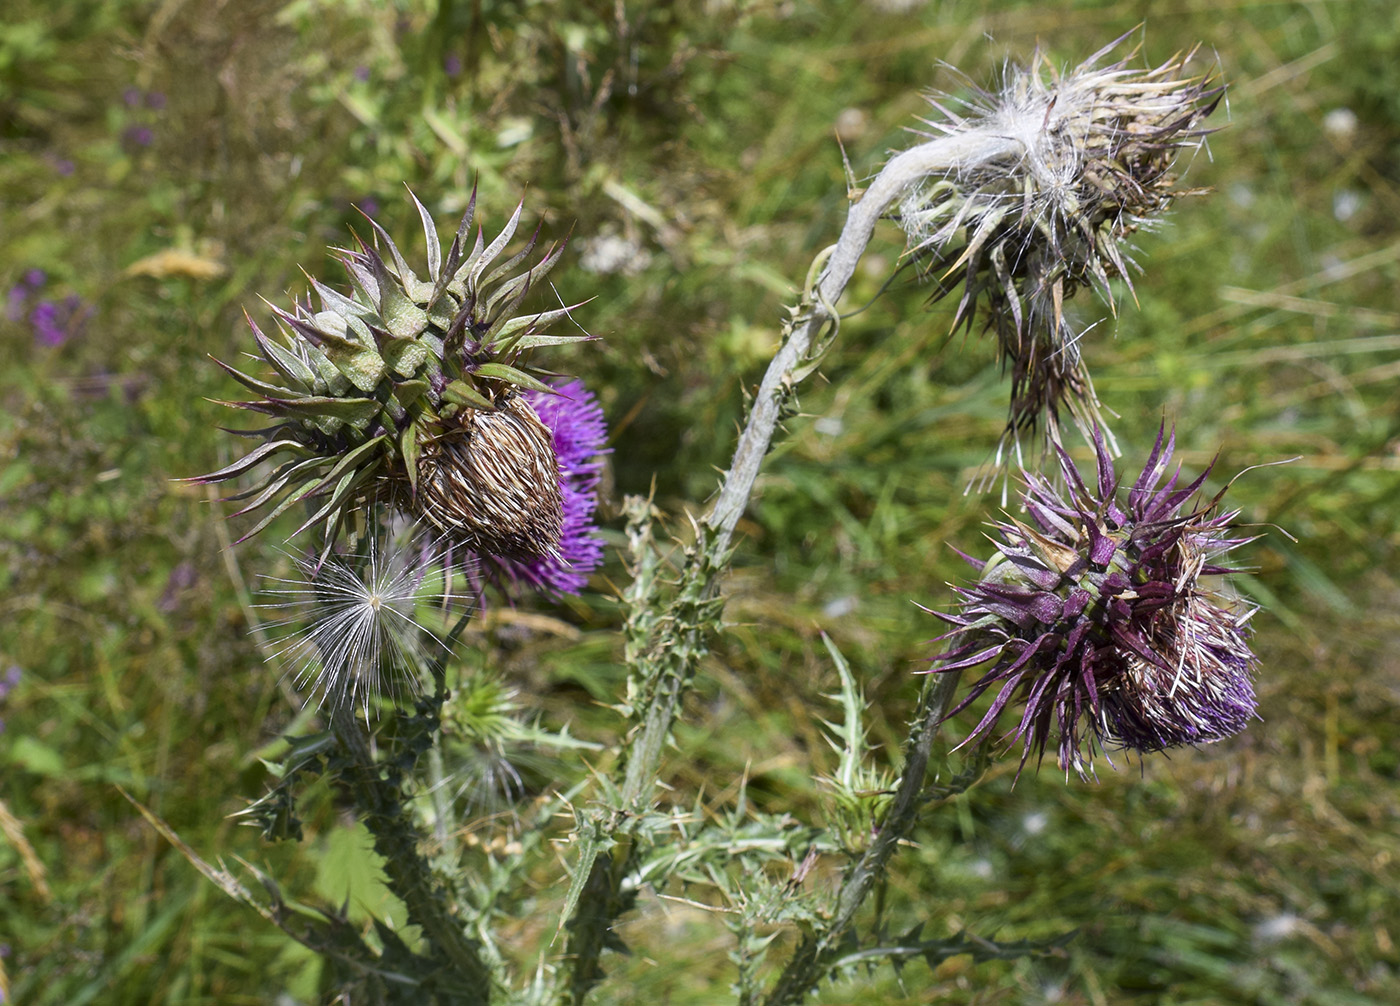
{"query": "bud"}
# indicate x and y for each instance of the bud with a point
(1102, 621)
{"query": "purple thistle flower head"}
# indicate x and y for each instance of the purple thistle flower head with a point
(575, 420)
(1096, 621)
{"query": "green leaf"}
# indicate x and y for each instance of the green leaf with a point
(355, 411)
(403, 318)
(269, 391)
(591, 842)
(536, 341)
(851, 733)
(430, 235)
(404, 356)
(251, 459)
(409, 449)
(409, 393)
(36, 756)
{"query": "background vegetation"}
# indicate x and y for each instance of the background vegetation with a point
(165, 164)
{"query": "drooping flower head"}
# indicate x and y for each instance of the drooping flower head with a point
(411, 392)
(579, 432)
(1100, 619)
(1022, 235)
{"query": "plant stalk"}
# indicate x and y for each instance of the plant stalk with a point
(816, 953)
(396, 839)
(670, 653)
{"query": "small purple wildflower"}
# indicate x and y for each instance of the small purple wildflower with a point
(1097, 621)
(132, 96)
(138, 136)
(155, 100)
(362, 74)
(369, 206)
(63, 167)
(575, 419)
(15, 300)
(452, 64)
(47, 329)
(55, 322)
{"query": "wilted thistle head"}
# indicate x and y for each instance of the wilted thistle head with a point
(574, 420)
(1023, 234)
(1099, 622)
(409, 392)
(356, 626)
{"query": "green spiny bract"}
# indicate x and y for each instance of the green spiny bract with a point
(406, 392)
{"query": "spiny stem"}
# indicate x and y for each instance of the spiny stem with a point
(708, 559)
(816, 952)
(380, 802)
(666, 659)
(903, 171)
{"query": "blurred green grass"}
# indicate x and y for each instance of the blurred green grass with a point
(1261, 870)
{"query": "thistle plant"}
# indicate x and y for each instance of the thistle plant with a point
(418, 398)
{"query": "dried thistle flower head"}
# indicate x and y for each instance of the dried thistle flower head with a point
(1098, 618)
(491, 481)
(408, 392)
(1022, 235)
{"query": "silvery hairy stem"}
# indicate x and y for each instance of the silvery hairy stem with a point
(904, 170)
(667, 660)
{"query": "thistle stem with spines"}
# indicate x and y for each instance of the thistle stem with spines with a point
(666, 658)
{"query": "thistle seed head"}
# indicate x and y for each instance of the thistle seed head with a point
(1023, 235)
(354, 624)
(1100, 618)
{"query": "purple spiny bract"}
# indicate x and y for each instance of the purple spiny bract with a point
(1097, 621)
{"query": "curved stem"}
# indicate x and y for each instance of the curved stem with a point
(667, 657)
(700, 580)
(903, 172)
